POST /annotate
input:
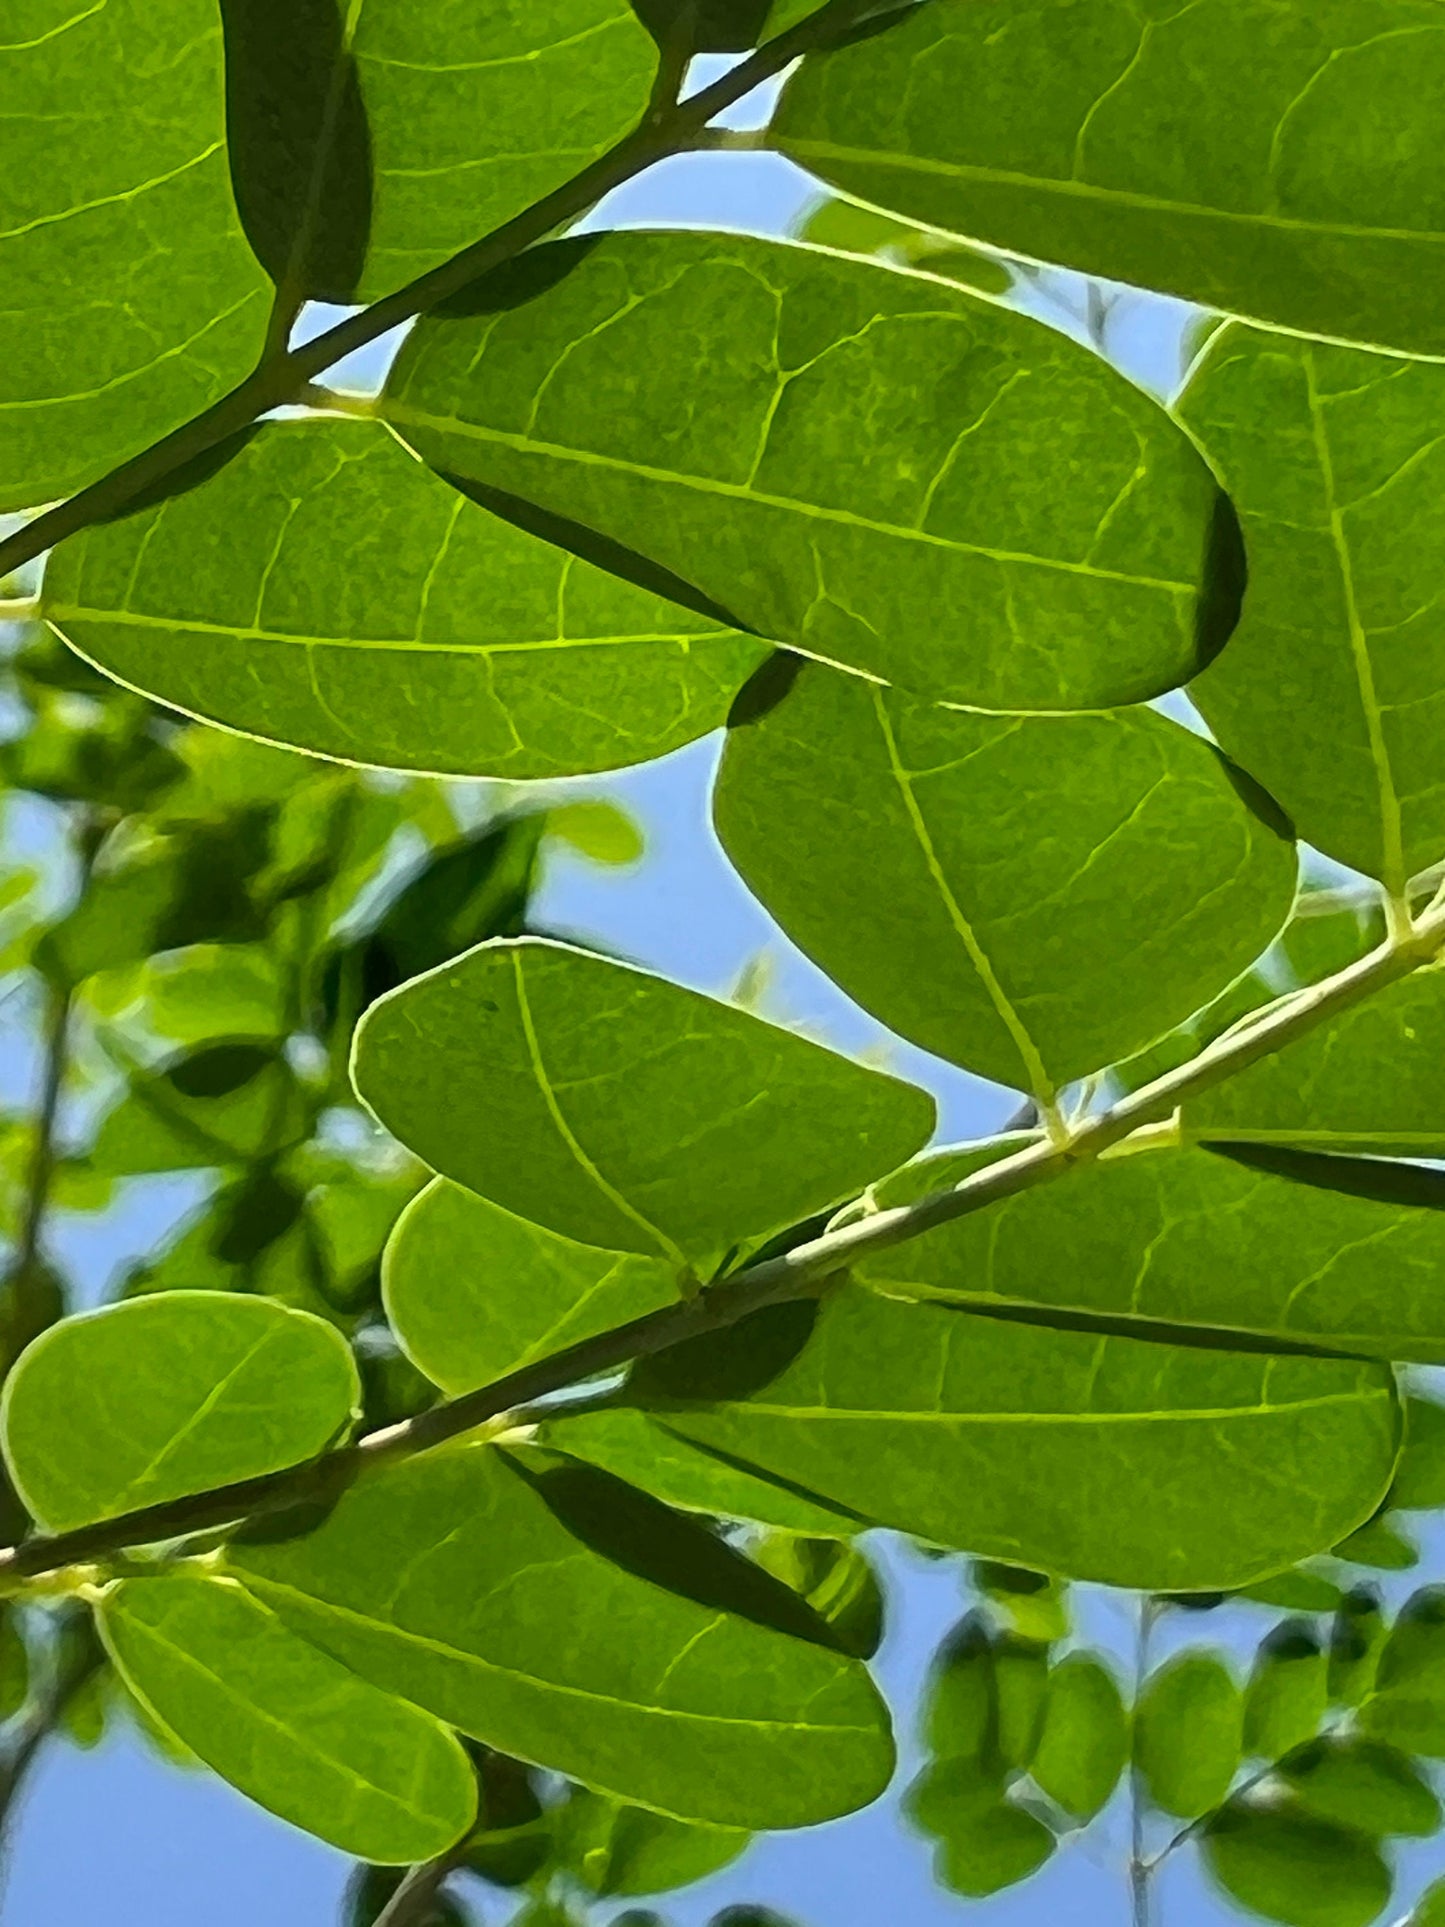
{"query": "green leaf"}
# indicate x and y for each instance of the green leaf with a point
(985, 1842)
(133, 301)
(1361, 1783)
(370, 143)
(836, 1580)
(1285, 1699)
(446, 1579)
(1294, 1869)
(1229, 152)
(599, 831)
(1333, 689)
(785, 466)
(183, 1391)
(1367, 1081)
(1420, 1475)
(1378, 1544)
(1407, 1704)
(1429, 1910)
(1187, 1733)
(445, 639)
(285, 1723)
(1297, 1591)
(619, 1109)
(1356, 1639)
(14, 1664)
(473, 1293)
(1065, 888)
(1021, 1689)
(223, 1104)
(621, 1850)
(1084, 1745)
(961, 1701)
(1031, 1604)
(1192, 1238)
(646, 1452)
(1169, 1468)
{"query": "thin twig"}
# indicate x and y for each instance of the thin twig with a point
(798, 1273)
(411, 1903)
(282, 378)
(1140, 1865)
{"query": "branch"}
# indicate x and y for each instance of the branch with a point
(410, 1905)
(283, 378)
(798, 1273)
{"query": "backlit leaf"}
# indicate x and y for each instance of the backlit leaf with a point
(1187, 1733)
(1284, 1699)
(285, 1723)
(1065, 888)
(1361, 1783)
(1171, 1468)
(132, 299)
(622, 1110)
(674, 1670)
(1294, 1869)
(845, 458)
(357, 607)
(1084, 1745)
(1233, 152)
(181, 1392)
(1407, 1705)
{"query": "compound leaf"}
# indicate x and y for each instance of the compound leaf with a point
(285, 1723)
(1065, 888)
(181, 1392)
(360, 608)
(845, 458)
(621, 1110)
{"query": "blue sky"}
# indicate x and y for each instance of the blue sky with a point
(113, 1835)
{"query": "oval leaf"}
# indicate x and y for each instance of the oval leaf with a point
(1360, 1783)
(1065, 888)
(619, 1109)
(1228, 151)
(1188, 1237)
(1084, 1745)
(473, 1293)
(1187, 1733)
(132, 300)
(1333, 689)
(1296, 1870)
(443, 639)
(1169, 1468)
(1285, 1698)
(844, 458)
(1407, 1705)
(680, 1662)
(184, 1391)
(285, 1723)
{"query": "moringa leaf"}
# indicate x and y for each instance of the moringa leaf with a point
(1367, 1081)
(1407, 1703)
(561, 1617)
(372, 142)
(1420, 1475)
(619, 1109)
(1285, 1697)
(1303, 1872)
(846, 458)
(620, 1850)
(285, 1723)
(1187, 1733)
(1361, 1783)
(1279, 1248)
(132, 300)
(1039, 1446)
(642, 1449)
(1084, 1746)
(360, 608)
(1233, 152)
(1066, 888)
(182, 1391)
(1333, 689)
(473, 1293)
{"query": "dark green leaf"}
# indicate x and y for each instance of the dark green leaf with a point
(1228, 152)
(622, 1110)
(673, 1671)
(1066, 888)
(14, 1664)
(132, 299)
(287, 1724)
(1284, 1700)
(985, 1842)
(621, 1850)
(836, 1580)
(1294, 1869)
(1332, 690)
(1356, 1639)
(1407, 1705)
(182, 1392)
(961, 1702)
(1363, 1784)
(1084, 1745)
(445, 638)
(1190, 1238)
(796, 464)
(1188, 1733)
(1378, 1544)
(224, 1104)
(474, 1293)
(1171, 1468)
